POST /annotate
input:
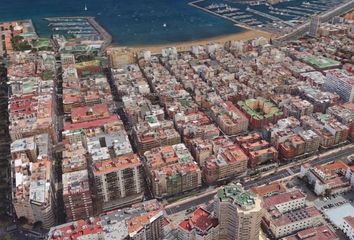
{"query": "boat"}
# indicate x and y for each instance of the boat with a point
(85, 7)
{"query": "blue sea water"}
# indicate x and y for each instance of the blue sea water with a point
(133, 22)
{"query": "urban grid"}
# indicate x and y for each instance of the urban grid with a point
(242, 140)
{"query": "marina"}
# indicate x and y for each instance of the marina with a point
(277, 18)
(80, 27)
(145, 22)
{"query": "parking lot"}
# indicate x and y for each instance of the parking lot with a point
(326, 203)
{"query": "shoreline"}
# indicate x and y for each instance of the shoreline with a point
(185, 46)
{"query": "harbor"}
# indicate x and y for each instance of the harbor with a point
(277, 17)
(80, 27)
(225, 9)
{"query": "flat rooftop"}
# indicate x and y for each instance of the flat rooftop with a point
(337, 214)
(237, 195)
(321, 62)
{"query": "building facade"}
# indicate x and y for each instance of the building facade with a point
(239, 213)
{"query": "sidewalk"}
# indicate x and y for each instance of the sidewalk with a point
(285, 167)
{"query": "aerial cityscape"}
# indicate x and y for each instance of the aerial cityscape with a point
(186, 120)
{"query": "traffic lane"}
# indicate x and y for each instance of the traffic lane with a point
(338, 156)
(190, 204)
(296, 169)
(270, 178)
(257, 182)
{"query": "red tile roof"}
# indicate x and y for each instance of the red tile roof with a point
(77, 229)
(315, 233)
(350, 220)
(273, 188)
(89, 112)
(91, 124)
(294, 216)
(282, 198)
(200, 219)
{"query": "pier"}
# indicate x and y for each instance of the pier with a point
(326, 16)
(237, 23)
(81, 25)
(107, 38)
(265, 15)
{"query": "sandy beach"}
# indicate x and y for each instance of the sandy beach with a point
(184, 46)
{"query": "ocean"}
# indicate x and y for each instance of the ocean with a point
(135, 22)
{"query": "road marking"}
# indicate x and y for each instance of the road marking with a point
(290, 171)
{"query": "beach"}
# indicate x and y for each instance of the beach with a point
(185, 46)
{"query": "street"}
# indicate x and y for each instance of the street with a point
(258, 181)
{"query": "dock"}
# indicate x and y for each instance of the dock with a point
(237, 23)
(81, 25)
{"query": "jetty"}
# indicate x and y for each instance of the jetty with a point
(107, 38)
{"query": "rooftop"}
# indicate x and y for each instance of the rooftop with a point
(294, 216)
(321, 62)
(201, 220)
(323, 232)
(75, 182)
(237, 195)
(273, 201)
(270, 189)
(119, 163)
(76, 230)
(350, 221)
(32, 180)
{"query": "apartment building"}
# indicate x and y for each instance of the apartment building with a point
(172, 170)
(141, 221)
(200, 149)
(230, 161)
(118, 182)
(77, 195)
(304, 142)
(153, 133)
(320, 100)
(340, 82)
(74, 157)
(195, 125)
(293, 105)
(331, 131)
(239, 213)
(259, 152)
(260, 111)
(230, 120)
(327, 179)
(90, 117)
(33, 113)
(345, 114)
(33, 191)
(287, 213)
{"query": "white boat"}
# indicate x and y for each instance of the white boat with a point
(85, 7)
